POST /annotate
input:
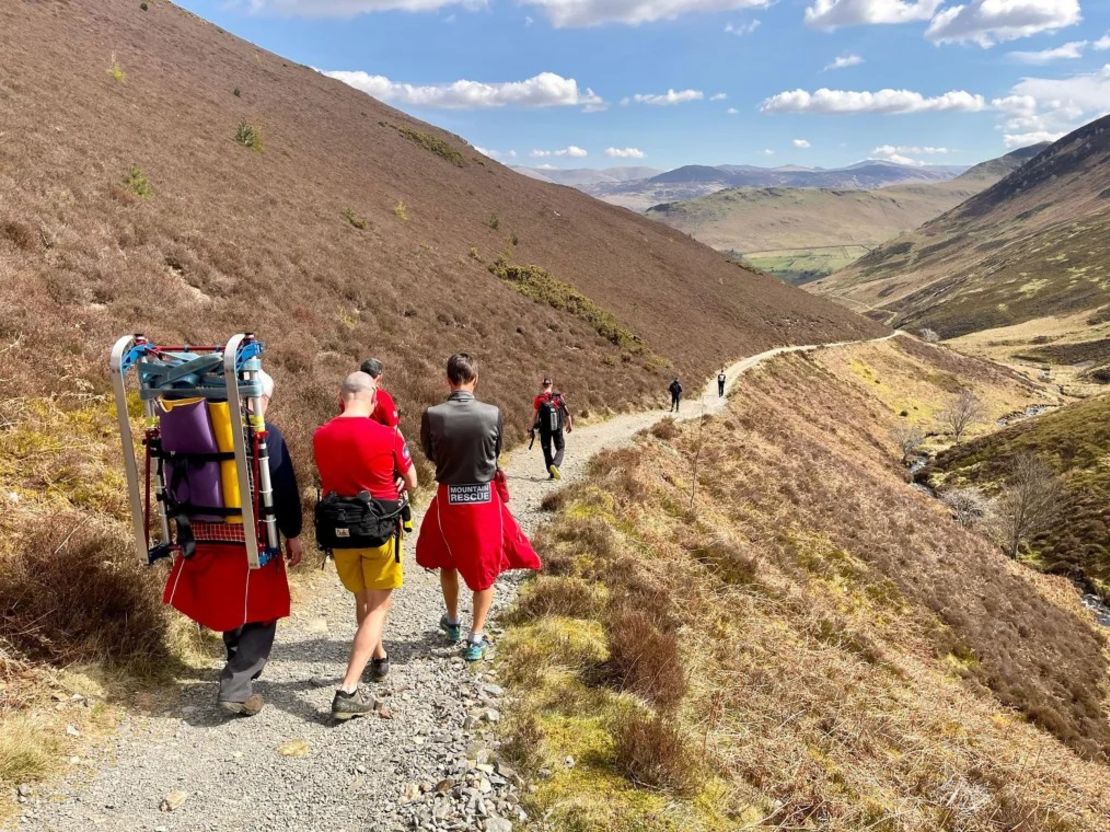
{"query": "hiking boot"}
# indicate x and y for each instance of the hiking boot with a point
(407, 526)
(248, 707)
(452, 630)
(475, 650)
(379, 668)
(554, 471)
(347, 705)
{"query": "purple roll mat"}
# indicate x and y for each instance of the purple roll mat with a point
(187, 428)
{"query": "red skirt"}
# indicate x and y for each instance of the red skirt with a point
(470, 528)
(217, 590)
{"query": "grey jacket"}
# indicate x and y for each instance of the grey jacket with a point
(462, 438)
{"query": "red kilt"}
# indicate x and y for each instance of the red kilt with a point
(475, 533)
(217, 589)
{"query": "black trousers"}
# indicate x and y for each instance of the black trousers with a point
(720, 388)
(675, 397)
(248, 650)
(552, 440)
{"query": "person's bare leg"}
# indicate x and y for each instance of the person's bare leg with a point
(483, 600)
(368, 638)
(449, 580)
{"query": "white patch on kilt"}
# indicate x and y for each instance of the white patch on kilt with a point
(470, 494)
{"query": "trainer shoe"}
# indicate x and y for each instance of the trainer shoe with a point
(554, 470)
(346, 705)
(407, 526)
(379, 668)
(475, 650)
(452, 630)
(248, 707)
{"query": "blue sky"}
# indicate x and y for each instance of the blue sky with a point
(596, 83)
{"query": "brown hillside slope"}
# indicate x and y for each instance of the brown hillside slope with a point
(350, 229)
(755, 622)
(1035, 244)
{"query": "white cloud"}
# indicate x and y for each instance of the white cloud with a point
(832, 14)
(573, 151)
(544, 90)
(528, 20)
(845, 61)
(987, 22)
(881, 101)
(768, 152)
(666, 99)
(1012, 140)
(576, 13)
(801, 143)
(926, 150)
(351, 8)
(1102, 43)
(493, 154)
(741, 29)
(720, 96)
(1066, 52)
(624, 153)
(732, 111)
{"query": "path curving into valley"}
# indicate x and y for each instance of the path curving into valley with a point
(424, 761)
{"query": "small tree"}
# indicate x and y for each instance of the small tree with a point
(929, 336)
(969, 505)
(1030, 502)
(961, 414)
(909, 439)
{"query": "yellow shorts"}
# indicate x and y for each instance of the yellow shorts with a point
(375, 568)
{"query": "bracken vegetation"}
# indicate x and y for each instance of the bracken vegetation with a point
(837, 652)
(249, 135)
(433, 144)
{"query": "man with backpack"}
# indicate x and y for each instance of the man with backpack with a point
(363, 467)
(676, 394)
(721, 379)
(468, 527)
(550, 415)
(387, 413)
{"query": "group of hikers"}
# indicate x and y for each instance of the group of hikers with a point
(366, 473)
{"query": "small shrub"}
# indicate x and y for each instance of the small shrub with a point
(116, 71)
(524, 742)
(513, 240)
(401, 211)
(665, 429)
(136, 181)
(555, 501)
(21, 235)
(250, 136)
(144, 6)
(643, 659)
(361, 223)
(236, 92)
(493, 222)
(650, 751)
(433, 144)
(473, 254)
(569, 597)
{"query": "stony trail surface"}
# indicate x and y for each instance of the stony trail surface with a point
(425, 760)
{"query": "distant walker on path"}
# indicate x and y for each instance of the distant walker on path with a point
(676, 394)
(550, 415)
(721, 379)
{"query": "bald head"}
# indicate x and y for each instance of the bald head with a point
(357, 394)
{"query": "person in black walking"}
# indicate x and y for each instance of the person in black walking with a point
(721, 378)
(676, 394)
(550, 415)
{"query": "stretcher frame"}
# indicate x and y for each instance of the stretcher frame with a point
(162, 370)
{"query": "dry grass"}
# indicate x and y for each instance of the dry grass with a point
(855, 659)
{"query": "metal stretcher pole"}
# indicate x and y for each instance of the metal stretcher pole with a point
(131, 469)
(257, 423)
(238, 435)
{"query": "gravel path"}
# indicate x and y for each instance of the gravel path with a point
(425, 760)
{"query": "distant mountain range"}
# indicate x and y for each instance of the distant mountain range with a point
(1035, 245)
(640, 188)
(802, 233)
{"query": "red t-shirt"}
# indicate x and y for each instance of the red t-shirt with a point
(356, 454)
(385, 411)
(540, 400)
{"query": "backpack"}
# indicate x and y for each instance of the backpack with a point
(550, 417)
(361, 522)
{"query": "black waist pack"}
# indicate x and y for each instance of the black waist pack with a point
(361, 522)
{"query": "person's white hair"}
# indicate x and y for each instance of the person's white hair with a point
(267, 382)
